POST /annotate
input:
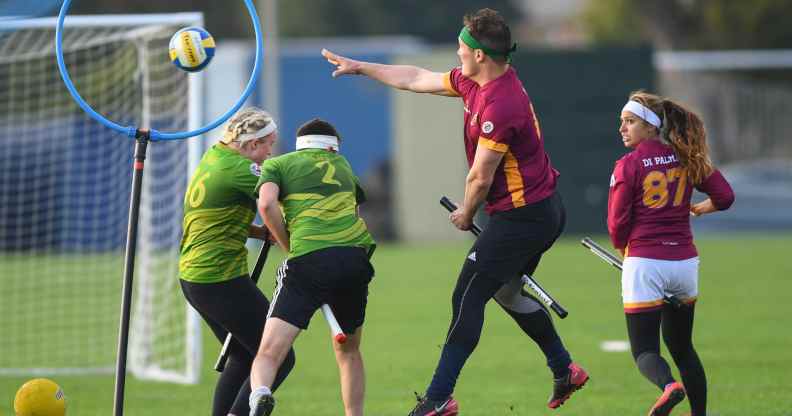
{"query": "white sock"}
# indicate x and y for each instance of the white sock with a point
(256, 394)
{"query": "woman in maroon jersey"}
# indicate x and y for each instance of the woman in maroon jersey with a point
(649, 211)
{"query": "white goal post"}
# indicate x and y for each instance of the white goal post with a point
(65, 184)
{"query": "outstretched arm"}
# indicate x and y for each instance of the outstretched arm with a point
(403, 77)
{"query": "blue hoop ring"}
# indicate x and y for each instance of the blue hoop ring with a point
(154, 134)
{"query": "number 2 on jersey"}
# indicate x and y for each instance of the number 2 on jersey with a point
(655, 187)
(328, 176)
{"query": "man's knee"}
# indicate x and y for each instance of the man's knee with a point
(512, 298)
(278, 337)
(272, 351)
(351, 346)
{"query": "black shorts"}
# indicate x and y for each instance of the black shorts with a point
(513, 241)
(337, 276)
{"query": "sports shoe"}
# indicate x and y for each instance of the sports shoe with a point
(672, 395)
(428, 407)
(564, 387)
(264, 406)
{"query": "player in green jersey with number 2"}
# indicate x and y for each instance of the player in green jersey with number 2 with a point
(219, 208)
(329, 248)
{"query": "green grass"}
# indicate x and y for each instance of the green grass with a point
(741, 335)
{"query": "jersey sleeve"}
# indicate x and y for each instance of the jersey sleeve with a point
(718, 189)
(620, 199)
(497, 131)
(245, 177)
(457, 84)
(270, 172)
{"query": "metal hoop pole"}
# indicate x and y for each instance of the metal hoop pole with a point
(129, 269)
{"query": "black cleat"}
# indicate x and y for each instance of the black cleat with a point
(427, 407)
(564, 387)
(264, 406)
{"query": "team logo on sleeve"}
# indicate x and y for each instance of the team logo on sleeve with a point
(255, 169)
(487, 127)
(612, 181)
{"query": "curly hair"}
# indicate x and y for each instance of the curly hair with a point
(684, 131)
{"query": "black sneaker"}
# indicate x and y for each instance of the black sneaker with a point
(564, 387)
(264, 406)
(427, 407)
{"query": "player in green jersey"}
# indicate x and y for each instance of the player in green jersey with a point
(219, 208)
(328, 245)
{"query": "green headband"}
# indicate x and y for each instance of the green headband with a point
(470, 41)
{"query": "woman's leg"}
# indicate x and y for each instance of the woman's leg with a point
(239, 306)
(644, 332)
(678, 337)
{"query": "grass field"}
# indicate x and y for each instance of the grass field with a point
(742, 336)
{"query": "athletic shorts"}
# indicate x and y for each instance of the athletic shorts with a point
(645, 282)
(337, 276)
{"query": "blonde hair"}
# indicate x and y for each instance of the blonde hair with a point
(248, 120)
(684, 131)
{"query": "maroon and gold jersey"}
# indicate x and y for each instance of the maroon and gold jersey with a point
(649, 203)
(500, 116)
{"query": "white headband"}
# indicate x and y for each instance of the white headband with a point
(317, 141)
(643, 112)
(266, 131)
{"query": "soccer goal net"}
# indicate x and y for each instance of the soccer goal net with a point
(65, 184)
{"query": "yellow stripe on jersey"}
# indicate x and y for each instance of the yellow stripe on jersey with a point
(349, 234)
(514, 180)
(449, 87)
(336, 201)
(303, 197)
(493, 145)
(201, 226)
(208, 42)
(209, 215)
(324, 215)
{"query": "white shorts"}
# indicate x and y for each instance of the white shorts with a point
(645, 282)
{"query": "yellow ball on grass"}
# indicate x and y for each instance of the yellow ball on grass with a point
(40, 397)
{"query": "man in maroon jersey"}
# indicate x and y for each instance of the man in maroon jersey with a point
(510, 171)
(649, 223)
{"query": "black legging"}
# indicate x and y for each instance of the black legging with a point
(677, 325)
(512, 243)
(238, 306)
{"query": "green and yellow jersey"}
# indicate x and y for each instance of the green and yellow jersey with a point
(219, 207)
(319, 194)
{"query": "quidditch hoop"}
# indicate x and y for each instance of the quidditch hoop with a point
(131, 131)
